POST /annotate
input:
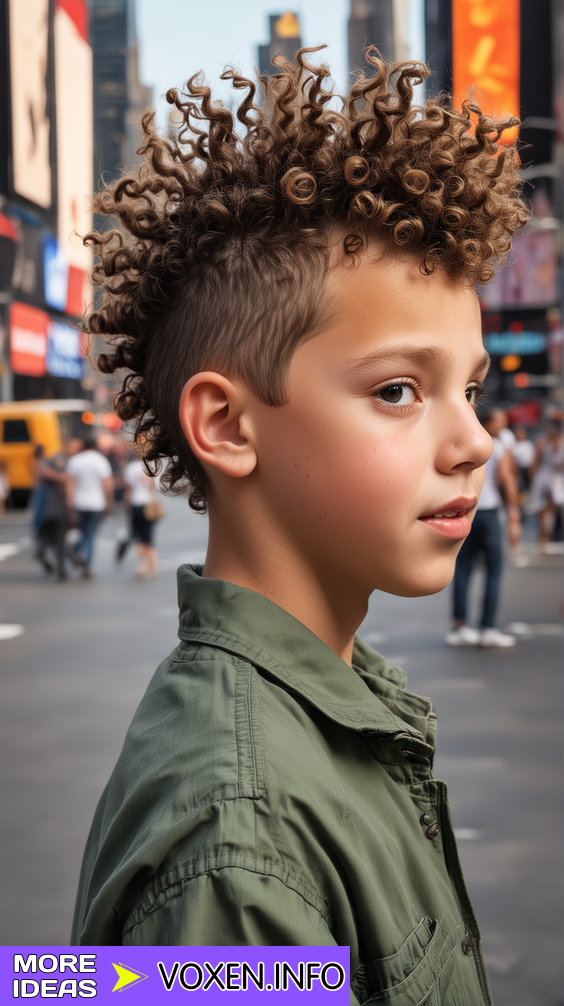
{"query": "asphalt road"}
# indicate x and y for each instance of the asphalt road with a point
(78, 657)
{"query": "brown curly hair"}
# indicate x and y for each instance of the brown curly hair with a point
(221, 257)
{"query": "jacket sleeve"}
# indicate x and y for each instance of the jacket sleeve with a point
(231, 906)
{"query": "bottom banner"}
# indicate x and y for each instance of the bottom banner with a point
(172, 974)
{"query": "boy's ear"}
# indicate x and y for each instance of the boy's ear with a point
(214, 417)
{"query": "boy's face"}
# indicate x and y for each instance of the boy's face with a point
(380, 432)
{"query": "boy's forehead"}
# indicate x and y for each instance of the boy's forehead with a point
(377, 297)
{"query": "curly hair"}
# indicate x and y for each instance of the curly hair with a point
(222, 254)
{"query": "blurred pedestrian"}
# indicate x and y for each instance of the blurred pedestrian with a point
(140, 494)
(547, 489)
(90, 495)
(108, 446)
(486, 539)
(4, 485)
(504, 433)
(523, 452)
(37, 497)
(54, 510)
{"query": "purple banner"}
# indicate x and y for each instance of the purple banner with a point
(147, 975)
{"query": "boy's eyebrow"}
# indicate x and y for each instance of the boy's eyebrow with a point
(424, 356)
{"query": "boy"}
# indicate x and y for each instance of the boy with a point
(296, 312)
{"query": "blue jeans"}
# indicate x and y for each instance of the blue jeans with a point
(88, 522)
(485, 539)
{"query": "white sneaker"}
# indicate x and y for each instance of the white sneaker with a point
(493, 637)
(463, 635)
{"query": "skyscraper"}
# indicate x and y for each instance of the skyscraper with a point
(371, 22)
(119, 95)
(284, 40)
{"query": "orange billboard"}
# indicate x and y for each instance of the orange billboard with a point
(485, 56)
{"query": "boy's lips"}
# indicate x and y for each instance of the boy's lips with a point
(450, 519)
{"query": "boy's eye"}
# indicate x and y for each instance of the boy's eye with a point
(396, 394)
(475, 394)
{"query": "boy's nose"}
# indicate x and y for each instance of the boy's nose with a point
(464, 442)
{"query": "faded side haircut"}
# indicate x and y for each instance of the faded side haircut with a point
(221, 255)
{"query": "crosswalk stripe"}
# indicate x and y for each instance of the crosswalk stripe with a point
(8, 631)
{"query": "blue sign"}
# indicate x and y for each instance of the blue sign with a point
(63, 351)
(56, 270)
(519, 343)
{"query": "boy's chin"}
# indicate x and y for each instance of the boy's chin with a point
(425, 586)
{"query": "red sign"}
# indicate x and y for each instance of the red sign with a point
(524, 414)
(28, 339)
(77, 11)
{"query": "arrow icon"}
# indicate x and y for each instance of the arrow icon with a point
(126, 976)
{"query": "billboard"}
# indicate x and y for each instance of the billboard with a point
(485, 56)
(75, 132)
(63, 358)
(29, 87)
(530, 277)
(28, 339)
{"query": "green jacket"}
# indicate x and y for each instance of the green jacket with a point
(269, 795)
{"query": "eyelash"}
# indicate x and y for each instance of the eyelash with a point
(478, 390)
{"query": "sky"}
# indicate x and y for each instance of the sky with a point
(178, 37)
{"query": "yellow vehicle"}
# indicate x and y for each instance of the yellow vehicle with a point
(25, 426)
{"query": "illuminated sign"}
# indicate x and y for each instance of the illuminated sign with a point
(515, 343)
(75, 184)
(28, 339)
(530, 277)
(56, 273)
(485, 51)
(288, 26)
(29, 44)
(63, 351)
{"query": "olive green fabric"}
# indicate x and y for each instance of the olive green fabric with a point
(269, 794)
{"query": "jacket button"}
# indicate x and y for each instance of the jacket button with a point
(466, 945)
(426, 819)
(433, 830)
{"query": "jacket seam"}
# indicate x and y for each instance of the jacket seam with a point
(292, 880)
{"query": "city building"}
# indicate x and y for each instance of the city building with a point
(371, 22)
(119, 96)
(45, 195)
(284, 41)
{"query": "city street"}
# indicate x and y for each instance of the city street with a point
(76, 657)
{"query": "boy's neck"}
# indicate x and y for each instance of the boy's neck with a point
(253, 555)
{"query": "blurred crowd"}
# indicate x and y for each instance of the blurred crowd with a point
(524, 480)
(538, 464)
(75, 489)
(90, 477)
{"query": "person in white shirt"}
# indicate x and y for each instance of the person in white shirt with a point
(139, 491)
(523, 452)
(486, 538)
(90, 495)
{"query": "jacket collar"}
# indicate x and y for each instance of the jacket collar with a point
(370, 696)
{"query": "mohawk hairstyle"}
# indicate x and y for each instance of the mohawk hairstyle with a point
(222, 254)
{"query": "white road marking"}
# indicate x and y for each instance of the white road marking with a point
(466, 834)
(8, 631)
(536, 629)
(8, 550)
